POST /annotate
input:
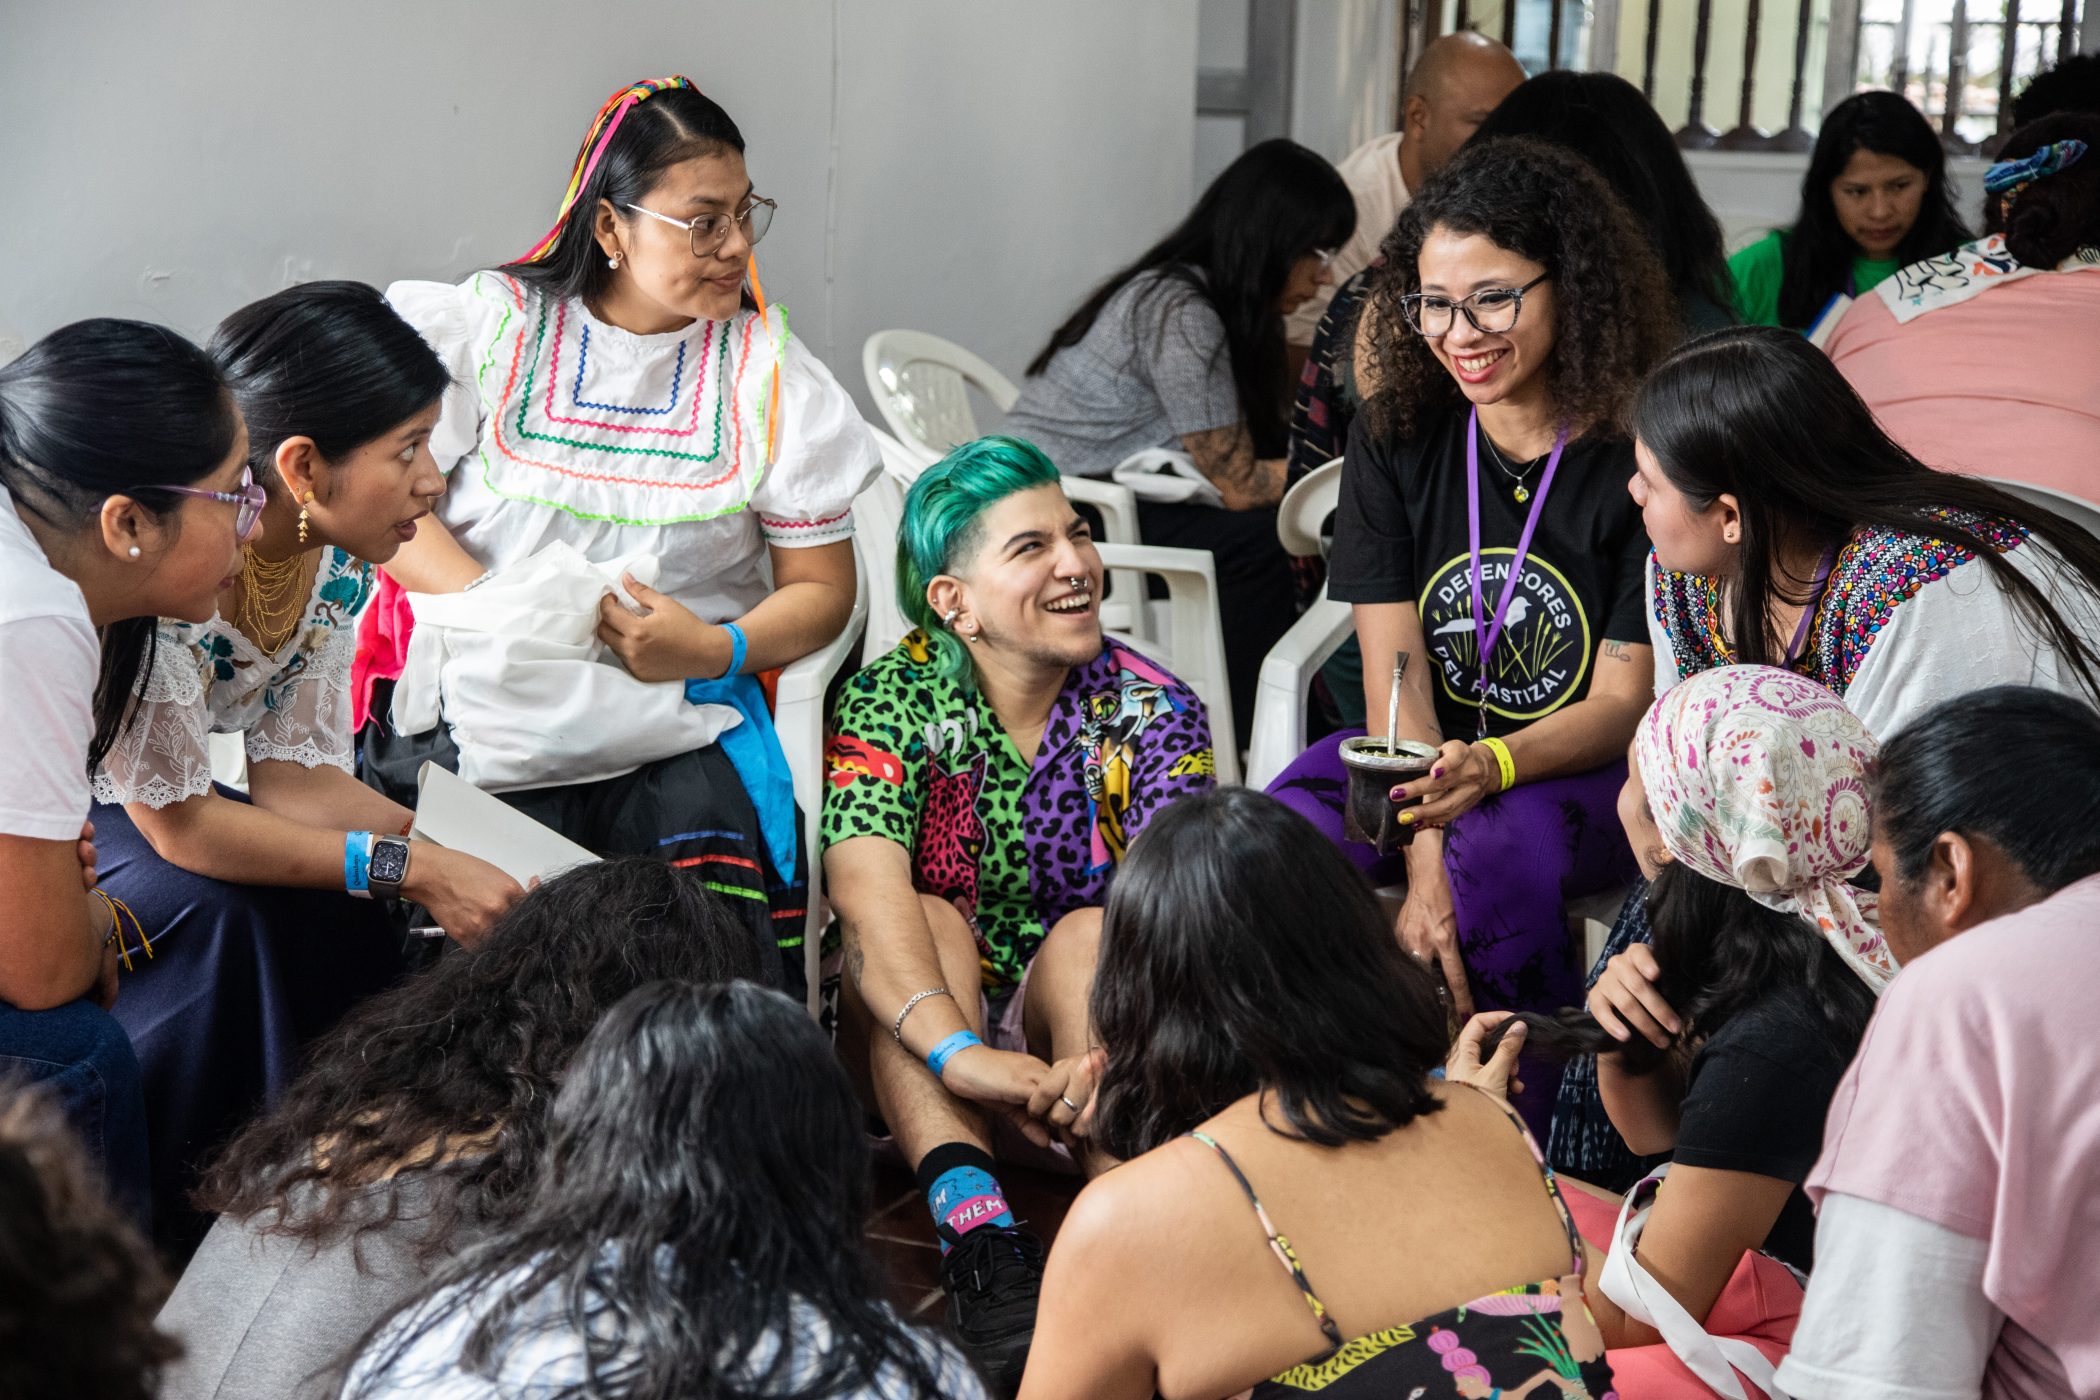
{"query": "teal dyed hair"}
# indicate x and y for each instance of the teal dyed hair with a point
(943, 515)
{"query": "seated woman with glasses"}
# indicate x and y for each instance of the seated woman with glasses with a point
(253, 943)
(1480, 536)
(621, 392)
(120, 455)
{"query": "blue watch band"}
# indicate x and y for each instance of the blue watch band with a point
(738, 645)
(357, 863)
(938, 1057)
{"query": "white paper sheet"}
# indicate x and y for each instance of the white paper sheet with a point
(454, 813)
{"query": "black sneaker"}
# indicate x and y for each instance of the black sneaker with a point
(993, 1276)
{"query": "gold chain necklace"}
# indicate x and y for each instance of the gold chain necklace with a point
(273, 598)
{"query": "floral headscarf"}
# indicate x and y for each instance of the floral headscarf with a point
(1757, 779)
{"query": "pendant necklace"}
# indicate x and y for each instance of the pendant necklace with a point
(1523, 491)
(1487, 629)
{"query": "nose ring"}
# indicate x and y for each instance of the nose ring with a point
(1077, 580)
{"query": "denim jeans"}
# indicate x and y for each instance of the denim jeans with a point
(79, 1055)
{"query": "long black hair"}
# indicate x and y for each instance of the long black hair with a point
(2045, 815)
(107, 408)
(1718, 952)
(1604, 119)
(1277, 203)
(698, 1217)
(672, 125)
(1614, 313)
(2055, 216)
(449, 1075)
(1758, 413)
(1241, 953)
(1819, 253)
(326, 360)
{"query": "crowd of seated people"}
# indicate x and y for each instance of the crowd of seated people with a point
(1765, 636)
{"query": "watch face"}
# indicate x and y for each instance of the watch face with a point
(389, 862)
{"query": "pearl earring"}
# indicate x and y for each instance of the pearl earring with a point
(613, 262)
(134, 551)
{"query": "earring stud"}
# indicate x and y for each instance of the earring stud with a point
(134, 551)
(948, 617)
(613, 262)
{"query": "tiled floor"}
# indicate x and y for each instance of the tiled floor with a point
(901, 1232)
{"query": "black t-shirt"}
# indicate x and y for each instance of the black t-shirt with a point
(1401, 537)
(1755, 1101)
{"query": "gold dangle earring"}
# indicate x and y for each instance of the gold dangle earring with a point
(304, 501)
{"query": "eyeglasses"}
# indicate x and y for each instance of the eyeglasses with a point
(250, 498)
(710, 231)
(1491, 311)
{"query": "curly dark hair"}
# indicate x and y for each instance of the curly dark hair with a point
(451, 1073)
(78, 1286)
(1616, 313)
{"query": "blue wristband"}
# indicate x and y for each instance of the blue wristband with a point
(357, 863)
(938, 1057)
(738, 644)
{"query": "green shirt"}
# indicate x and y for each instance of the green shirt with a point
(1761, 267)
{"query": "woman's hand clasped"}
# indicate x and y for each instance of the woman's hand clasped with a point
(666, 641)
(1065, 1097)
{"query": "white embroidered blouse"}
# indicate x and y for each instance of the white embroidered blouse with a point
(562, 427)
(209, 678)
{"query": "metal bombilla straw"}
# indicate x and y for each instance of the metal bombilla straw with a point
(1392, 705)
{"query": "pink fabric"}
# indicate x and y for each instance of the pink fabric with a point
(1975, 1104)
(1760, 1304)
(382, 646)
(2000, 385)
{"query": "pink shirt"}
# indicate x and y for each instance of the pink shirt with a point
(1975, 1104)
(2003, 384)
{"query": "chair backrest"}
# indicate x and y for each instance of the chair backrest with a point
(921, 383)
(2062, 502)
(878, 514)
(1306, 507)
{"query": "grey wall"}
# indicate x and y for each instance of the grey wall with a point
(966, 167)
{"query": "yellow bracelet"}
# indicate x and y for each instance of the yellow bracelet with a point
(1503, 761)
(118, 912)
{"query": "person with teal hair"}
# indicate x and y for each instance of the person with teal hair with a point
(983, 781)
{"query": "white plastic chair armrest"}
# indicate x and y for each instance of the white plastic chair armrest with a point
(1119, 525)
(798, 717)
(1196, 653)
(1305, 506)
(1279, 699)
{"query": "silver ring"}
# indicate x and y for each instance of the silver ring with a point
(1077, 580)
(1068, 1103)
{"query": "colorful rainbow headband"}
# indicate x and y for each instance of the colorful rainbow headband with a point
(2008, 177)
(610, 115)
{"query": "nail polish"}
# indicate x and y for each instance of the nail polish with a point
(1436, 772)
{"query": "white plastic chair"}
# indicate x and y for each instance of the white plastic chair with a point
(1280, 691)
(921, 383)
(798, 717)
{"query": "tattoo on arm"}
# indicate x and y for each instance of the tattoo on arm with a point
(856, 960)
(1617, 651)
(1226, 457)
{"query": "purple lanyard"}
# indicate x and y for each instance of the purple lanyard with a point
(1488, 634)
(1808, 609)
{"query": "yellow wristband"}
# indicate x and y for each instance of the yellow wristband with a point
(1503, 761)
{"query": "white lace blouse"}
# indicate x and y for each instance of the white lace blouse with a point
(208, 678)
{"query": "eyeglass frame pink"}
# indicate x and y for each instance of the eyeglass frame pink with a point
(251, 499)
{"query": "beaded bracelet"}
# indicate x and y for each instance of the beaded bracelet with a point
(937, 1058)
(897, 1026)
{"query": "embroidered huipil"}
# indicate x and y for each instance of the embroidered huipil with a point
(209, 678)
(561, 427)
(919, 760)
(1907, 620)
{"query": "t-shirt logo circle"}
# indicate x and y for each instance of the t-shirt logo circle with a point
(1544, 653)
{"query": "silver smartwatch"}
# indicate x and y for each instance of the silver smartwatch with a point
(388, 868)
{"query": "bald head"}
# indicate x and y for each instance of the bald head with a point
(1458, 80)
